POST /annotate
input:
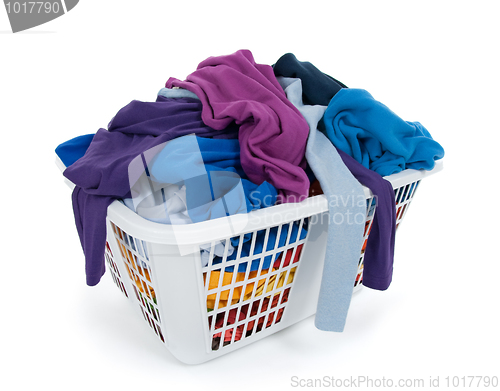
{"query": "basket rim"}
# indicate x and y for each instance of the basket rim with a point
(208, 231)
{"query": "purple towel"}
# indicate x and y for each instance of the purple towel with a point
(101, 175)
(273, 133)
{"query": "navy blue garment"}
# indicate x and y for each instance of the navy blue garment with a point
(318, 88)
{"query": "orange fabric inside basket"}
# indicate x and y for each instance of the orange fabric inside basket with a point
(246, 294)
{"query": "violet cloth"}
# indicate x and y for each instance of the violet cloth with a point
(101, 175)
(379, 254)
(273, 133)
(318, 88)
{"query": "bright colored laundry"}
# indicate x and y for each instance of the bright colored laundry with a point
(234, 137)
(249, 294)
(238, 293)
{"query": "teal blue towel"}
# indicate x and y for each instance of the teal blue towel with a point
(375, 136)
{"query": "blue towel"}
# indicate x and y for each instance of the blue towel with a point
(375, 136)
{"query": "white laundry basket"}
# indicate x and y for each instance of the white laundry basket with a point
(200, 313)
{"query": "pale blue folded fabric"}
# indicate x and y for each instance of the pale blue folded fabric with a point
(347, 216)
(177, 93)
(210, 169)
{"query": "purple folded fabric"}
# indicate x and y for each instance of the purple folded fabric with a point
(273, 133)
(379, 254)
(101, 175)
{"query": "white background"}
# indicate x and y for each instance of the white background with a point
(433, 62)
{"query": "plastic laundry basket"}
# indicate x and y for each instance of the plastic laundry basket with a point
(200, 313)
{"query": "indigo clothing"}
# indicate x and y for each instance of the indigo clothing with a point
(72, 150)
(155, 118)
(272, 132)
(347, 216)
(379, 253)
(210, 169)
(377, 138)
(101, 175)
(318, 88)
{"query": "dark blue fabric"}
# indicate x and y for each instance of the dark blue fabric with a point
(259, 245)
(72, 150)
(318, 88)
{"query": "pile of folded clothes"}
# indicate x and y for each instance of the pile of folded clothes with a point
(237, 136)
